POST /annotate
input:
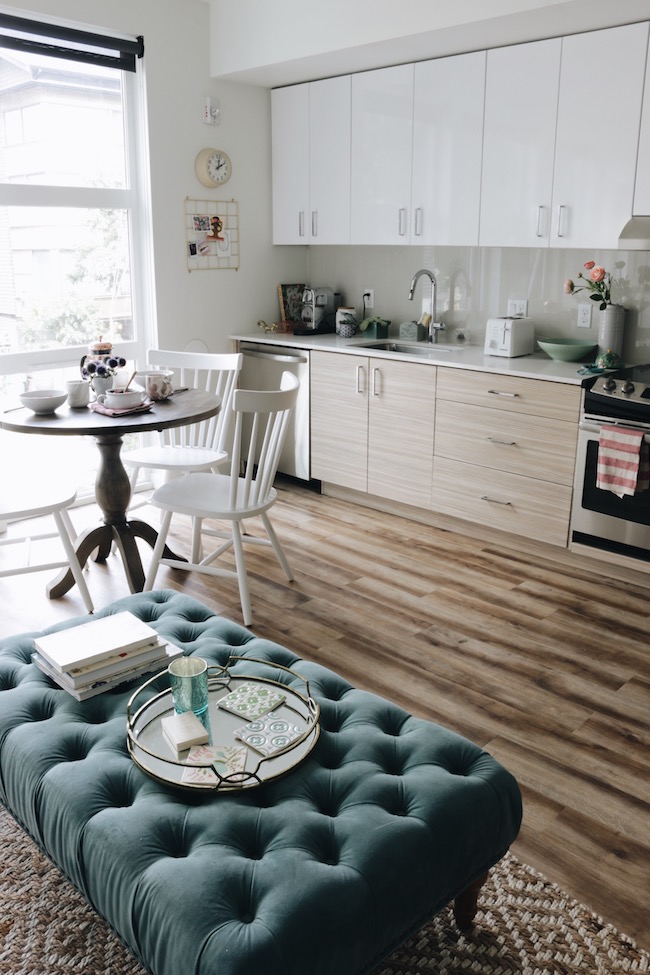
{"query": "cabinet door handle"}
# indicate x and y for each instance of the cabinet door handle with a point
(374, 381)
(301, 223)
(485, 497)
(314, 223)
(560, 214)
(402, 222)
(417, 222)
(538, 231)
(500, 392)
(503, 443)
(359, 387)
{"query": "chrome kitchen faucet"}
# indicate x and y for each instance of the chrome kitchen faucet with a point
(434, 326)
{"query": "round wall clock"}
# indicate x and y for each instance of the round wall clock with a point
(213, 167)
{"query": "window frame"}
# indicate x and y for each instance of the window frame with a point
(134, 199)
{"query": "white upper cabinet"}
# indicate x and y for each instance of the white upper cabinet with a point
(642, 185)
(561, 133)
(290, 164)
(382, 129)
(311, 162)
(447, 146)
(329, 161)
(599, 113)
(521, 94)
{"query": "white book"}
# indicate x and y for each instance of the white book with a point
(167, 654)
(115, 665)
(82, 646)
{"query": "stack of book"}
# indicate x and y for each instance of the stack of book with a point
(94, 657)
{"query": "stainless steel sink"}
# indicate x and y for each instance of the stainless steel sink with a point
(427, 350)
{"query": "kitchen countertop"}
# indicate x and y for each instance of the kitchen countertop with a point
(536, 366)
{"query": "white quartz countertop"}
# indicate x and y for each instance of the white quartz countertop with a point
(536, 366)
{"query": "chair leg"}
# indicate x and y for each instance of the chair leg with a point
(197, 547)
(157, 552)
(277, 548)
(66, 532)
(242, 578)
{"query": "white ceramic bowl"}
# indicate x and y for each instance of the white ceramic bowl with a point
(43, 400)
(119, 399)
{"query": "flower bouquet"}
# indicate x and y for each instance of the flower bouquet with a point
(598, 281)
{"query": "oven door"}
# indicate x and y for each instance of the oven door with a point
(600, 519)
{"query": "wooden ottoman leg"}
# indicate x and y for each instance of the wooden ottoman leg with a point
(465, 905)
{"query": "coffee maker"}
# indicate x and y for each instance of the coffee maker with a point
(318, 312)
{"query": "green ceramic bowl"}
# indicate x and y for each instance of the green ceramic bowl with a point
(566, 350)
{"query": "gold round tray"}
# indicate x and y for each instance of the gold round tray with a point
(226, 763)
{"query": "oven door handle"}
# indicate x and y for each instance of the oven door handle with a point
(593, 427)
(590, 426)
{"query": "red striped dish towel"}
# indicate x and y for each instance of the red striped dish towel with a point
(623, 462)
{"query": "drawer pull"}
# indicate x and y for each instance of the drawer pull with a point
(359, 376)
(503, 443)
(484, 497)
(500, 392)
(374, 382)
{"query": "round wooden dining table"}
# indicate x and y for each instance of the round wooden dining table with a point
(112, 485)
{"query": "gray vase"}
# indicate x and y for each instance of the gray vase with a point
(610, 329)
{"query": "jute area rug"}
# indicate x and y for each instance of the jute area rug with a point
(526, 925)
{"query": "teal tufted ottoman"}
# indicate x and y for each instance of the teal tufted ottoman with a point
(325, 870)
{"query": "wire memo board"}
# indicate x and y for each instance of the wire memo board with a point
(211, 235)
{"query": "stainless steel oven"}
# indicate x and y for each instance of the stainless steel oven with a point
(600, 519)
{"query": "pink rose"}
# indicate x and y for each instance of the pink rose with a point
(597, 274)
(569, 286)
(589, 265)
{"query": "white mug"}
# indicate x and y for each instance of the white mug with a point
(159, 385)
(78, 394)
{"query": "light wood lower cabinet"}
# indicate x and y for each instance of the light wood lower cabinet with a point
(505, 452)
(372, 424)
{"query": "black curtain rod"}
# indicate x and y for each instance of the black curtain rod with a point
(129, 48)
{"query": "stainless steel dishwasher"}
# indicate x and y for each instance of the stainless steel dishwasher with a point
(262, 368)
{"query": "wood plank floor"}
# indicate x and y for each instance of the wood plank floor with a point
(538, 660)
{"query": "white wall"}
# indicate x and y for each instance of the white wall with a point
(204, 305)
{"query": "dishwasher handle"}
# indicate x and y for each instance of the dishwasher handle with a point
(275, 356)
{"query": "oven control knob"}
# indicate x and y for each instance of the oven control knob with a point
(609, 384)
(627, 387)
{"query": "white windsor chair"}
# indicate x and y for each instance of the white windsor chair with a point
(33, 499)
(198, 446)
(232, 497)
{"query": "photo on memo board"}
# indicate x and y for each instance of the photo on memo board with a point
(212, 235)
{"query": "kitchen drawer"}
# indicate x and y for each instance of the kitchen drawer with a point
(513, 442)
(508, 502)
(536, 397)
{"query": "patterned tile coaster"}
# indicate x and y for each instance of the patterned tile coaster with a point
(227, 758)
(269, 735)
(252, 700)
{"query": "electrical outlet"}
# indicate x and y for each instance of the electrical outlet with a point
(584, 315)
(517, 307)
(369, 297)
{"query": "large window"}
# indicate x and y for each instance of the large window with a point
(71, 225)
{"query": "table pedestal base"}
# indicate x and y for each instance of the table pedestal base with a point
(99, 540)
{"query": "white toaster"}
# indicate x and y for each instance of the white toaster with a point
(509, 337)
